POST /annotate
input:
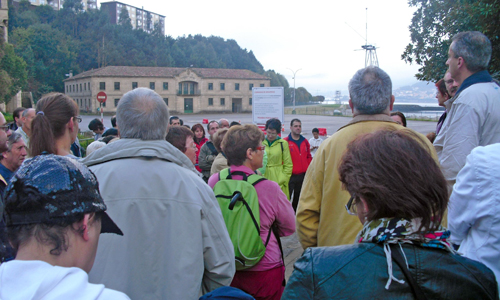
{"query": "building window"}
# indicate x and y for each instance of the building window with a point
(66, 89)
(166, 101)
(250, 86)
(152, 85)
(81, 87)
(222, 101)
(210, 86)
(165, 86)
(222, 86)
(116, 102)
(89, 86)
(210, 101)
(250, 101)
(236, 86)
(134, 85)
(84, 86)
(102, 86)
(117, 86)
(262, 85)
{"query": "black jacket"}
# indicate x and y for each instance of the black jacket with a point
(359, 271)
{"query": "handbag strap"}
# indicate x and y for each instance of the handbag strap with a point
(398, 258)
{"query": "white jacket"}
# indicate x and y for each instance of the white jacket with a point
(35, 279)
(473, 120)
(175, 242)
(474, 208)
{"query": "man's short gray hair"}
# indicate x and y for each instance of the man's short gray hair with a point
(26, 111)
(142, 114)
(13, 138)
(370, 90)
(474, 47)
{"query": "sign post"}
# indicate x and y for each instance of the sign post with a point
(267, 103)
(101, 97)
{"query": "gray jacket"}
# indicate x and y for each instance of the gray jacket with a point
(206, 159)
(175, 242)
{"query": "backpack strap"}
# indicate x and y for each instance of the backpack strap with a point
(211, 146)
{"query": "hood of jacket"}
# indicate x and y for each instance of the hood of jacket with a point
(34, 279)
(134, 148)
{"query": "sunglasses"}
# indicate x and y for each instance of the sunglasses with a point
(5, 128)
(261, 148)
(78, 119)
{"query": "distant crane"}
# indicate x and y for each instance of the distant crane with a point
(371, 58)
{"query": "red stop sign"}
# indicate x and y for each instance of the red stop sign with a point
(102, 97)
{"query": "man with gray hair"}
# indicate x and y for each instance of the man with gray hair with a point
(473, 114)
(321, 216)
(175, 242)
(13, 158)
(27, 117)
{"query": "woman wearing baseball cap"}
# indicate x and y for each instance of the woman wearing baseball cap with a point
(54, 214)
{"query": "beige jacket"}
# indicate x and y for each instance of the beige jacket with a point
(322, 219)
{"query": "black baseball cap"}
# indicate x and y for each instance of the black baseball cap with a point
(48, 188)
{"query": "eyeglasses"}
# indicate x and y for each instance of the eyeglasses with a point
(261, 148)
(78, 119)
(5, 128)
(351, 209)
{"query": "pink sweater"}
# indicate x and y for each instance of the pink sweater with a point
(273, 207)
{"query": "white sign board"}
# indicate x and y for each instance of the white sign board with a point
(267, 103)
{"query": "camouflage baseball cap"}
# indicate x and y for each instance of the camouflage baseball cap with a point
(49, 188)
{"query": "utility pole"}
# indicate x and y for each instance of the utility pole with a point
(293, 111)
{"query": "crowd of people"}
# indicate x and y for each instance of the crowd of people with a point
(381, 210)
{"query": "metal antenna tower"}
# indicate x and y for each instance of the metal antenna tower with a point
(371, 58)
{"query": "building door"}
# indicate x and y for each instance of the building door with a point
(188, 105)
(237, 107)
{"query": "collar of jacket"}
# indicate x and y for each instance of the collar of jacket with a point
(366, 118)
(478, 77)
(136, 148)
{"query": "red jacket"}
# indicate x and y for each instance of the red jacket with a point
(301, 158)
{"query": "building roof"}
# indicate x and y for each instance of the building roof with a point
(117, 2)
(165, 72)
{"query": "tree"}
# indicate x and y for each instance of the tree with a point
(124, 18)
(13, 74)
(435, 22)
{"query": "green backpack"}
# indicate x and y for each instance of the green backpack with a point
(239, 204)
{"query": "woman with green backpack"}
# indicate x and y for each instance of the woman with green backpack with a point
(262, 278)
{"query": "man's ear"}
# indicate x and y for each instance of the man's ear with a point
(350, 105)
(391, 106)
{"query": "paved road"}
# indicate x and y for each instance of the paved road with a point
(331, 123)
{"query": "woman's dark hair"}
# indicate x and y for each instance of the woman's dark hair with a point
(96, 124)
(237, 141)
(53, 112)
(441, 86)
(49, 233)
(218, 137)
(177, 136)
(273, 124)
(401, 115)
(234, 123)
(394, 172)
(193, 129)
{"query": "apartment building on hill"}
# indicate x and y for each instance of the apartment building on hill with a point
(140, 18)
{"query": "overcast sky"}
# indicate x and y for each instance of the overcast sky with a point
(308, 35)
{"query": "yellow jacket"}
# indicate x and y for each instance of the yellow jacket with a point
(322, 219)
(279, 163)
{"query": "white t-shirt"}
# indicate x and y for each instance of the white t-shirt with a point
(315, 143)
(35, 279)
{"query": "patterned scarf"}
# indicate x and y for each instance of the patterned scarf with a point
(397, 231)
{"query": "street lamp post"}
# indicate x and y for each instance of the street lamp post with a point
(293, 112)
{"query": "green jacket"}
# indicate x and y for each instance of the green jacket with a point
(279, 163)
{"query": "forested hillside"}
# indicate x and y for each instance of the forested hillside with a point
(53, 43)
